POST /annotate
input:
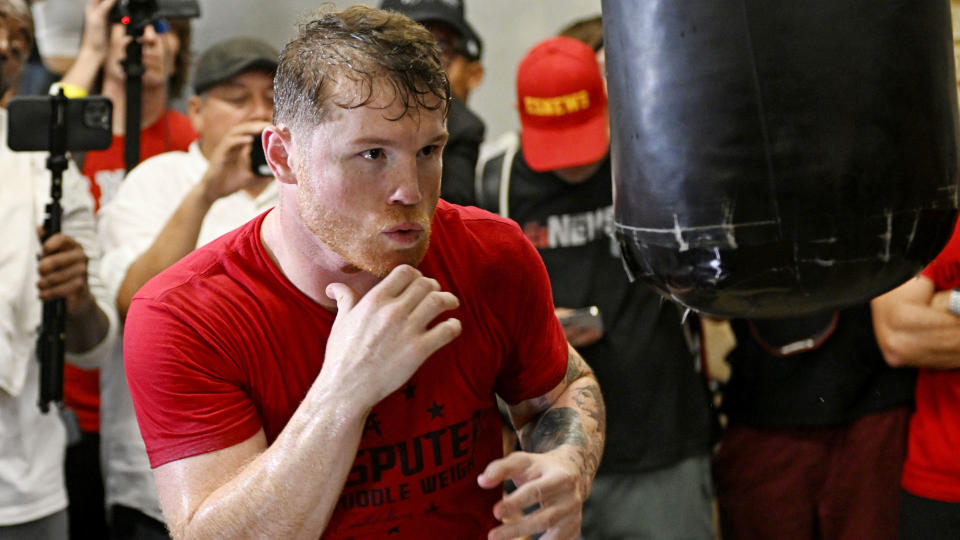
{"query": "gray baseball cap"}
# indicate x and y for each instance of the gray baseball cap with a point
(231, 57)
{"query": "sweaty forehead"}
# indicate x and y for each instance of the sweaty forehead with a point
(383, 94)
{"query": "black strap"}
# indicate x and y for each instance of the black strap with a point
(488, 188)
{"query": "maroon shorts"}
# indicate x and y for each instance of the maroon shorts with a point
(813, 483)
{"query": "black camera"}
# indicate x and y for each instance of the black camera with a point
(258, 160)
(139, 13)
(88, 123)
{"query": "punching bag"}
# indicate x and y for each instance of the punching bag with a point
(774, 158)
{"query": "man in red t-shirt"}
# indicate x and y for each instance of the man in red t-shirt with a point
(332, 367)
(918, 324)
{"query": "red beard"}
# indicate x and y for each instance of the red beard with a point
(362, 244)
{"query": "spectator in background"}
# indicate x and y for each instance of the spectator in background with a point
(167, 206)
(97, 68)
(588, 30)
(654, 479)
(32, 494)
(918, 325)
(460, 49)
(816, 430)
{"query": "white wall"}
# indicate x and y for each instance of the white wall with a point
(508, 28)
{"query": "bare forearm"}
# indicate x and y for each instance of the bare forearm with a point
(917, 335)
(290, 489)
(83, 71)
(58, 64)
(177, 239)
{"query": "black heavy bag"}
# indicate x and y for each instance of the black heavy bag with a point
(779, 157)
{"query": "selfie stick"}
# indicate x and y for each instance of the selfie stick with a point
(133, 67)
(50, 342)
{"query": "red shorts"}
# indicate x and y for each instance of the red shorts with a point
(813, 483)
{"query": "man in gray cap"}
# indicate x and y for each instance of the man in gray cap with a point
(167, 206)
(460, 50)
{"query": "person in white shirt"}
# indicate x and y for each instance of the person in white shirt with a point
(32, 493)
(169, 205)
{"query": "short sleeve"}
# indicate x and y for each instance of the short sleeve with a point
(186, 394)
(537, 357)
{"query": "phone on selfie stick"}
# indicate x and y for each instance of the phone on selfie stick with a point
(56, 124)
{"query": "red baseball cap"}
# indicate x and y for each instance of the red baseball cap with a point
(562, 104)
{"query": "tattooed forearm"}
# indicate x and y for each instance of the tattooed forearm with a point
(575, 367)
(586, 394)
(553, 428)
(590, 401)
(577, 419)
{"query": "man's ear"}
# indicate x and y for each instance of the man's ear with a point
(277, 146)
(194, 105)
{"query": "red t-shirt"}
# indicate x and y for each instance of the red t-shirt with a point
(932, 469)
(105, 170)
(222, 344)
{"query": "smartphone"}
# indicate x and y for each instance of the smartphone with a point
(258, 160)
(586, 318)
(88, 123)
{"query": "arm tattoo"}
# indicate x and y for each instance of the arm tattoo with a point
(565, 424)
(574, 368)
(562, 425)
(553, 428)
(589, 400)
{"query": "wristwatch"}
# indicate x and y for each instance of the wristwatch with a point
(954, 304)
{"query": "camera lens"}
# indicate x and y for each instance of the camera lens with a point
(96, 114)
